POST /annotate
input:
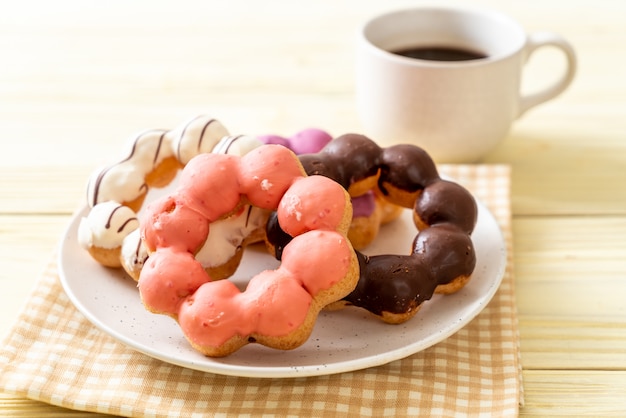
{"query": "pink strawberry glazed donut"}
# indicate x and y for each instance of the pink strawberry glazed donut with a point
(279, 307)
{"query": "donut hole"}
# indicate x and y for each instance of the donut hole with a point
(395, 237)
(254, 260)
(156, 192)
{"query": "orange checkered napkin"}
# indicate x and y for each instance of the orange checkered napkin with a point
(54, 354)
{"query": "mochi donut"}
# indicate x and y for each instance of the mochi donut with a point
(370, 210)
(441, 257)
(306, 141)
(278, 308)
(116, 193)
(103, 230)
(153, 160)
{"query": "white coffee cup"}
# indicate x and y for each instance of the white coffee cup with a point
(456, 110)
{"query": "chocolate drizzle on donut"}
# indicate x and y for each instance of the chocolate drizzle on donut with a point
(204, 128)
(227, 142)
(96, 187)
(126, 222)
(136, 259)
(248, 213)
(158, 150)
(98, 181)
(444, 211)
(107, 225)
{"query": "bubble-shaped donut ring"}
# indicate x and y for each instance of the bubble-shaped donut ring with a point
(116, 193)
(278, 307)
(442, 256)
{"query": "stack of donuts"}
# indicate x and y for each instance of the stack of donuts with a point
(314, 201)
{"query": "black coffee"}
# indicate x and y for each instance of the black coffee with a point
(439, 54)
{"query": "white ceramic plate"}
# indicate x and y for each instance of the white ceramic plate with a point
(341, 341)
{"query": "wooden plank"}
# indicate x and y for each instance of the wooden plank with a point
(552, 343)
(568, 318)
(574, 393)
(571, 267)
(47, 190)
(27, 244)
(559, 172)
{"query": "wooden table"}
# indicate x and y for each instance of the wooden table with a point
(78, 78)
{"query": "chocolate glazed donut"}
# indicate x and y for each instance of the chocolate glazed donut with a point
(442, 256)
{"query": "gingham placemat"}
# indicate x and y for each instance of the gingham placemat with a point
(54, 354)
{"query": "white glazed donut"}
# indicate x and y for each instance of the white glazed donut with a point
(115, 195)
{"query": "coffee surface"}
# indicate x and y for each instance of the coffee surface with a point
(439, 54)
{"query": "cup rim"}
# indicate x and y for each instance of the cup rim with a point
(488, 12)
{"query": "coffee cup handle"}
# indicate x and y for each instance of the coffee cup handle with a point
(541, 39)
